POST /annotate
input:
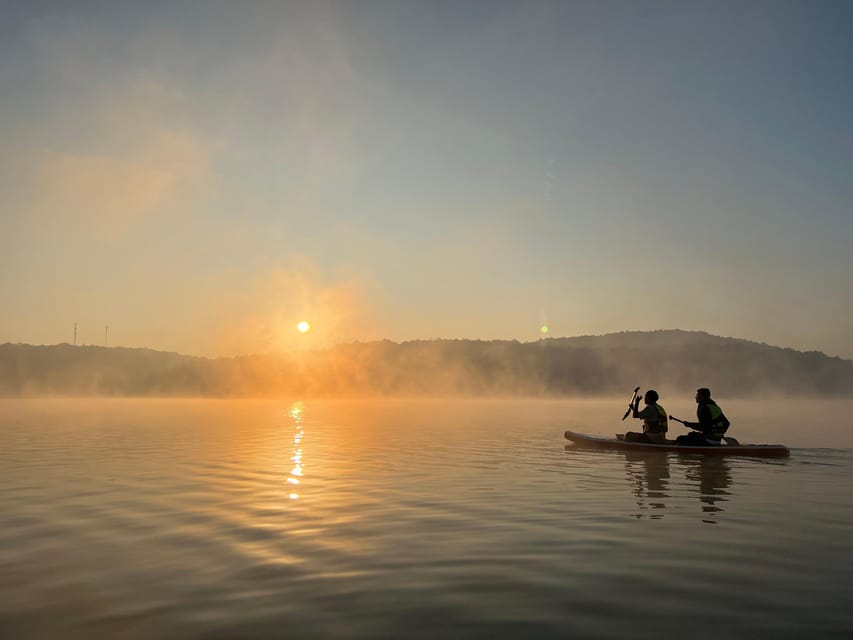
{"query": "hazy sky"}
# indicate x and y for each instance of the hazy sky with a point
(200, 176)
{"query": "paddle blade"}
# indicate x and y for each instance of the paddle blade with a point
(631, 403)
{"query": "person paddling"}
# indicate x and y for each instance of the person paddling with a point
(712, 423)
(654, 419)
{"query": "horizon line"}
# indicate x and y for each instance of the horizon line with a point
(422, 340)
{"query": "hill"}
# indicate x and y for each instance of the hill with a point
(671, 360)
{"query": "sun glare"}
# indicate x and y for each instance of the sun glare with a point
(303, 327)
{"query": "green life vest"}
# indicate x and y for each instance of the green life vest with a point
(719, 422)
(658, 425)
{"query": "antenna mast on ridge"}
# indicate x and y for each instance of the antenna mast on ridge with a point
(75, 334)
(106, 334)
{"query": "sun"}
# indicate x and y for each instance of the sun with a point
(303, 327)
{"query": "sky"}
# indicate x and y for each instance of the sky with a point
(202, 176)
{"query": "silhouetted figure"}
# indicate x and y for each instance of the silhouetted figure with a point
(712, 423)
(654, 419)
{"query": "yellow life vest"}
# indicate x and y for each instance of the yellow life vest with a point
(656, 425)
(719, 422)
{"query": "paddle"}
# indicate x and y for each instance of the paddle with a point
(677, 420)
(728, 439)
(631, 403)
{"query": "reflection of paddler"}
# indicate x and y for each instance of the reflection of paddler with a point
(713, 476)
(649, 475)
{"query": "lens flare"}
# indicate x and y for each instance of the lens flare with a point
(544, 328)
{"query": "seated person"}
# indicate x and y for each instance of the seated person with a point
(712, 422)
(654, 419)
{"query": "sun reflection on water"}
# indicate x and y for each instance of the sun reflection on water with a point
(296, 413)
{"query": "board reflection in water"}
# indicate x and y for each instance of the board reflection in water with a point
(659, 481)
(707, 477)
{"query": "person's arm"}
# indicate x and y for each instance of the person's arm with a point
(648, 412)
(704, 416)
(706, 423)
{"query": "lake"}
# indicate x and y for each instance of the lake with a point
(416, 519)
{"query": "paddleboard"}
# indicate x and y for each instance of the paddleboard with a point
(601, 442)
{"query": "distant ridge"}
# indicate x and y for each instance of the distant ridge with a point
(670, 360)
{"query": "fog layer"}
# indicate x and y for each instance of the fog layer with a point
(671, 361)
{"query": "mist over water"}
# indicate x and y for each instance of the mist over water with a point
(672, 361)
(471, 518)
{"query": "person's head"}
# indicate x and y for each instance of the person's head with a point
(703, 394)
(651, 396)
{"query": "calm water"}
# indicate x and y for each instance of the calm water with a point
(390, 519)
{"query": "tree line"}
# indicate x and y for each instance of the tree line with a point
(672, 360)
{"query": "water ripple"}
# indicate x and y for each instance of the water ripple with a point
(250, 520)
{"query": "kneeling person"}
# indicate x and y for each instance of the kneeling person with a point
(654, 419)
(712, 424)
